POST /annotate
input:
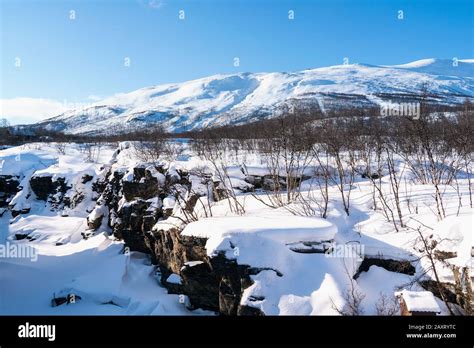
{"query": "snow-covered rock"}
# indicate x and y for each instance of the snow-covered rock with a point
(419, 301)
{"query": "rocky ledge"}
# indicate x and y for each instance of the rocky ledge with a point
(134, 202)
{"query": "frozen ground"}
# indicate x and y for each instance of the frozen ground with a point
(110, 281)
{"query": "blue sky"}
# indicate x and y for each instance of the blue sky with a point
(81, 59)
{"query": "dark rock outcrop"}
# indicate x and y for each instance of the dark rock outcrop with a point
(69, 298)
(212, 283)
(44, 186)
(401, 266)
(447, 289)
(18, 212)
(9, 186)
(86, 178)
(135, 220)
(144, 184)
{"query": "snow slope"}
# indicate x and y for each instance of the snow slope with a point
(442, 67)
(243, 97)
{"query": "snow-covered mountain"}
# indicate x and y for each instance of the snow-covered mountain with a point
(244, 97)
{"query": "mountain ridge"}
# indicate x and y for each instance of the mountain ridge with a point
(242, 97)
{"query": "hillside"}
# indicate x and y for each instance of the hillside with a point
(239, 98)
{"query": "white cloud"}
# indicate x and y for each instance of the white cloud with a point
(29, 110)
(94, 97)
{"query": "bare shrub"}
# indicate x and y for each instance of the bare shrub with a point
(60, 147)
(387, 305)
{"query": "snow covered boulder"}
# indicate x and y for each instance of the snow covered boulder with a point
(174, 284)
(173, 176)
(168, 205)
(86, 178)
(417, 303)
(271, 183)
(225, 233)
(94, 220)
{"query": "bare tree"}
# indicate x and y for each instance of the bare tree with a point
(337, 136)
(387, 306)
(395, 180)
(60, 147)
(92, 151)
(353, 298)
(427, 248)
(214, 151)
